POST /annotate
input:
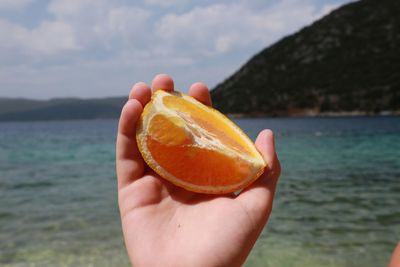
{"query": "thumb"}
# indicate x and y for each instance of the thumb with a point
(260, 194)
(265, 143)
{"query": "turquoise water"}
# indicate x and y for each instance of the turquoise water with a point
(338, 201)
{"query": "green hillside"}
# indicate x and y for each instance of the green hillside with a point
(347, 61)
(60, 109)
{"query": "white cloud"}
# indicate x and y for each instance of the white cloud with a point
(221, 28)
(128, 24)
(102, 23)
(166, 3)
(207, 31)
(52, 37)
(14, 4)
(11, 35)
(65, 8)
(84, 25)
(326, 9)
(87, 17)
(48, 38)
(102, 44)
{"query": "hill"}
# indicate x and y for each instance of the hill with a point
(13, 109)
(348, 61)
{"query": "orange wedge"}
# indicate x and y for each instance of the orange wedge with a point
(196, 147)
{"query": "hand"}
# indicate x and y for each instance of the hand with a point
(164, 225)
(395, 261)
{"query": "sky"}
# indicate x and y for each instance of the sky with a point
(100, 48)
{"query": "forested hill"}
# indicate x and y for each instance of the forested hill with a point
(14, 109)
(346, 61)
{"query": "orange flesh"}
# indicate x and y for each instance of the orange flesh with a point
(213, 124)
(161, 128)
(193, 165)
(190, 163)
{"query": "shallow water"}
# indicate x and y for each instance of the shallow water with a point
(338, 201)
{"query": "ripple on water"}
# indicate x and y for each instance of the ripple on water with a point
(337, 203)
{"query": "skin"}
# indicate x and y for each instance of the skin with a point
(395, 261)
(164, 225)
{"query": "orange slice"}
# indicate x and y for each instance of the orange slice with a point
(195, 146)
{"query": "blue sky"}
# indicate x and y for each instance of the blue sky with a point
(97, 48)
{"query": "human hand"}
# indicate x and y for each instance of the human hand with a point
(395, 260)
(165, 225)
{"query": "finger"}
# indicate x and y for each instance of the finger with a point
(258, 197)
(129, 162)
(141, 92)
(395, 260)
(162, 82)
(201, 93)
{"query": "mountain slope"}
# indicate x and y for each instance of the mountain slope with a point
(347, 61)
(60, 109)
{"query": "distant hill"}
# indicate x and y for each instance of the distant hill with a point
(348, 61)
(14, 109)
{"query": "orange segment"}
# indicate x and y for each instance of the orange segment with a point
(161, 127)
(198, 166)
(195, 146)
(207, 120)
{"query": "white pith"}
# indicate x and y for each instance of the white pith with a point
(204, 139)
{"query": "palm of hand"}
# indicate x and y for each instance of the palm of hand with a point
(165, 225)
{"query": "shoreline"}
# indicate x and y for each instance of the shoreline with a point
(303, 114)
(315, 114)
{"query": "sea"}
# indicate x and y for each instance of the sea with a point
(337, 203)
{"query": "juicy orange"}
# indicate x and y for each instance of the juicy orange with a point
(195, 146)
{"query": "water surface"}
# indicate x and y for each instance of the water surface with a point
(338, 201)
